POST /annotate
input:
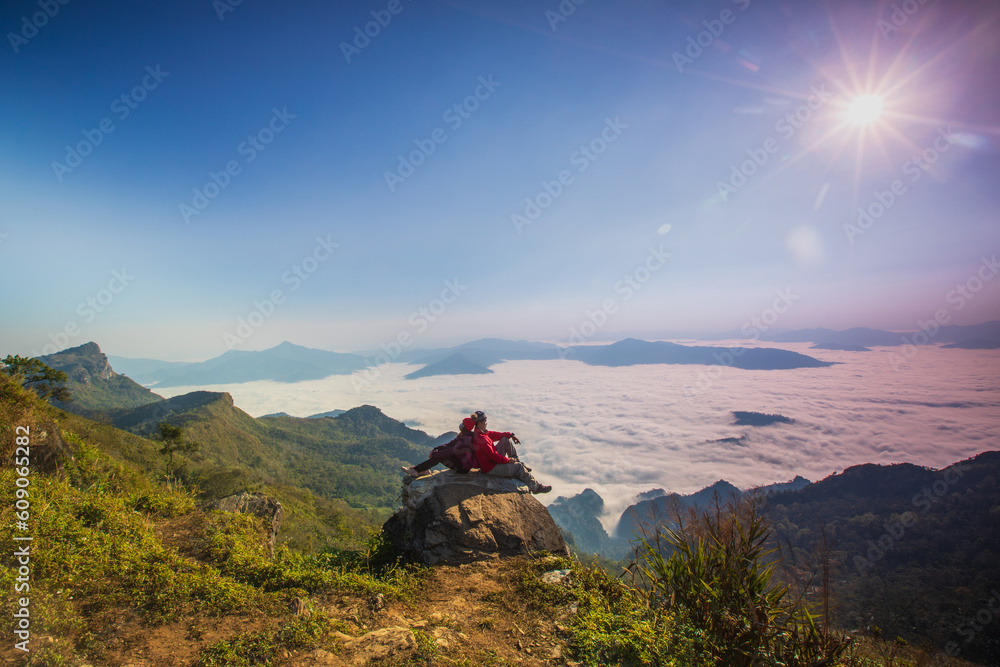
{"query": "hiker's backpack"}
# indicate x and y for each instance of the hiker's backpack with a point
(461, 452)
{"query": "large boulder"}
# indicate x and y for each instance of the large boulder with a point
(452, 517)
(257, 504)
(46, 450)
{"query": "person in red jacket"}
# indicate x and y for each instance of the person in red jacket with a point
(493, 462)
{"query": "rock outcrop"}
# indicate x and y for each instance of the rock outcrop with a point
(451, 517)
(258, 504)
(84, 363)
(95, 387)
(46, 451)
(580, 517)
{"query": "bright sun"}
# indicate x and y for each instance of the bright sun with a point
(864, 109)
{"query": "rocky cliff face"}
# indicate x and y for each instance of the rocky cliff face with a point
(94, 385)
(580, 516)
(82, 364)
(450, 517)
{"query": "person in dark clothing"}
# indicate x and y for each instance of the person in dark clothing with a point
(459, 454)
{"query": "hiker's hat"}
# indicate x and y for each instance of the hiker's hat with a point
(480, 416)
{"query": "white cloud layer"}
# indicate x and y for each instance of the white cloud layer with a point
(624, 430)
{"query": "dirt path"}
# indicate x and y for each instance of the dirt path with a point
(469, 614)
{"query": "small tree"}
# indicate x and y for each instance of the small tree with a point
(36, 375)
(174, 441)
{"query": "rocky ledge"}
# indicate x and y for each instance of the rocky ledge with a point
(257, 504)
(454, 518)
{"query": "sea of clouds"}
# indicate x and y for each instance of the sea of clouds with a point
(621, 431)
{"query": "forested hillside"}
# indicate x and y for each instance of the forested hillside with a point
(912, 551)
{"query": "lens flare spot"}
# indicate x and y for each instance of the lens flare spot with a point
(805, 245)
(864, 109)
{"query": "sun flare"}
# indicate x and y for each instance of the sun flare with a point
(864, 109)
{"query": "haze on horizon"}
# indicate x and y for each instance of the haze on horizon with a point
(622, 431)
(467, 170)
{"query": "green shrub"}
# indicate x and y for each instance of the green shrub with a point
(244, 650)
(49, 656)
(712, 566)
(615, 627)
(94, 548)
(236, 547)
(612, 624)
(163, 505)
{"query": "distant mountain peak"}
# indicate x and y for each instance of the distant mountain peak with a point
(285, 362)
(368, 419)
(366, 410)
(455, 364)
(201, 398)
(722, 485)
(651, 494)
(86, 348)
(631, 341)
(286, 345)
(632, 351)
(328, 413)
(94, 385)
(82, 363)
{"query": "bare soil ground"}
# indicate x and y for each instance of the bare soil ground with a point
(466, 615)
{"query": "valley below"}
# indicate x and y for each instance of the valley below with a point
(624, 430)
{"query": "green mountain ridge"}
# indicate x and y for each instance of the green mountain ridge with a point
(126, 554)
(912, 550)
(94, 384)
(354, 456)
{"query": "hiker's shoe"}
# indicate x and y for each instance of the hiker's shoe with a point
(542, 488)
(411, 471)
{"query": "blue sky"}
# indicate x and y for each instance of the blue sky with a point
(619, 100)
